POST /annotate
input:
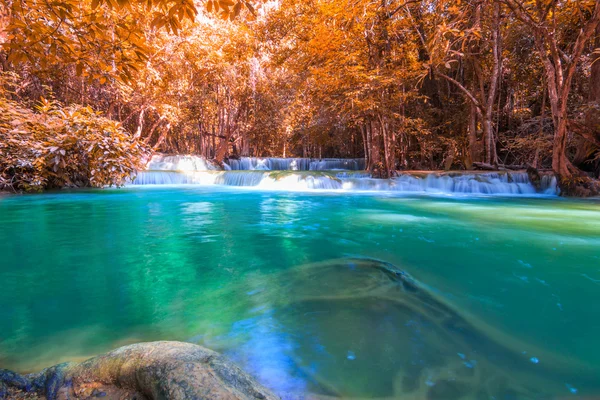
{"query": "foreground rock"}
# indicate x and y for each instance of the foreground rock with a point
(154, 370)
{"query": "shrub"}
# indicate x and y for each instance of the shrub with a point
(55, 146)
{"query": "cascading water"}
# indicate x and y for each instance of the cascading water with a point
(513, 183)
(295, 164)
(330, 174)
(164, 162)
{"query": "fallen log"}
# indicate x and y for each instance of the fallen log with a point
(499, 167)
(484, 166)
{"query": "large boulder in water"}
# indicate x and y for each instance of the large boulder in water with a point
(154, 370)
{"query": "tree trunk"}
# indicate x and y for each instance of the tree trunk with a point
(162, 137)
(153, 129)
(488, 134)
(365, 145)
(488, 126)
(222, 148)
(140, 124)
(474, 151)
(560, 163)
(594, 95)
(389, 149)
(214, 144)
(375, 159)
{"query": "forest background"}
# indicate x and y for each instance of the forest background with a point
(88, 89)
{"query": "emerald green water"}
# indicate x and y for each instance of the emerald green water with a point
(283, 283)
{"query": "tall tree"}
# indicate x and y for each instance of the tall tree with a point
(472, 39)
(560, 54)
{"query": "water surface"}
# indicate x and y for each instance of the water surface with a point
(275, 281)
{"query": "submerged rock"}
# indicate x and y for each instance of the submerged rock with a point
(371, 330)
(154, 370)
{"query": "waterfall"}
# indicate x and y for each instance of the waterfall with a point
(549, 184)
(295, 164)
(507, 183)
(329, 174)
(164, 162)
(175, 178)
(336, 163)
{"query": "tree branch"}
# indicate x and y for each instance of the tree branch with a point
(401, 6)
(461, 88)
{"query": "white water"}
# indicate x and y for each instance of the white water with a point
(480, 183)
(164, 162)
(342, 174)
(295, 164)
